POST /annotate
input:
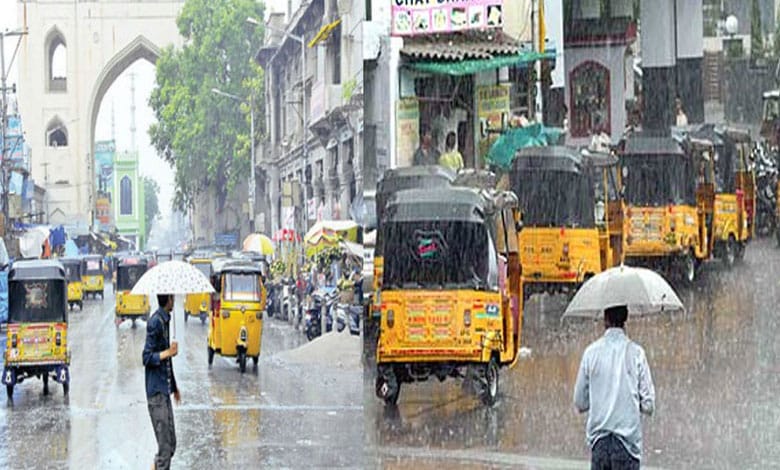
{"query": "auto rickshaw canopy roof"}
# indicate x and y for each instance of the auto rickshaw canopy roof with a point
(452, 204)
(642, 145)
(397, 179)
(553, 158)
(36, 270)
(234, 265)
(133, 261)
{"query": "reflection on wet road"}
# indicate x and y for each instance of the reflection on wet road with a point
(716, 373)
(282, 415)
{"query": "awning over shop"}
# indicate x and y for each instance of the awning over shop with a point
(467, 53)
(468, 67)
(324, 33)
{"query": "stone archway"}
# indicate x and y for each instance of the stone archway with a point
(101, 40)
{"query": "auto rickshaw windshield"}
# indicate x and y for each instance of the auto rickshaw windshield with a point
(205, 268)
(37, 301)
(72, 271)
(127, 276)
(659, 180)
(94, 266)
(437, 254)
(242, 287)
(555, 198)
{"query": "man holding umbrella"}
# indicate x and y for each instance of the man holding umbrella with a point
(160, 381)
(614, 386)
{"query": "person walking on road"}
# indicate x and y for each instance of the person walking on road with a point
(160, 381)
(614, 386)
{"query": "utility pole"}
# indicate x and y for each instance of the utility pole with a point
(4, 124)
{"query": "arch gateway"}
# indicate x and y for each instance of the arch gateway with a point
(100, 40)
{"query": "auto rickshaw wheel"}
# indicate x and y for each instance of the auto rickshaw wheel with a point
(388, 388)
(210, 355)
(186, 314)
(65, 389)
(255, 359)
(9, 390)
(133, 322)
(489, 391)
(203, 319)
(45, 383)
(242, 361)
(740, 253)
(688, 268)
(81, 306)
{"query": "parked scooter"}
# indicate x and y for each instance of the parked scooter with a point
(289, 301)
(348, 315)
(323, 301)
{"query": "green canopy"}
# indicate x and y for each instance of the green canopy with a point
(468, 67)
(503, 151)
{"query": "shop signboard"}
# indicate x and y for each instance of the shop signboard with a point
(492, 112)
(420, 17)
(407, 119)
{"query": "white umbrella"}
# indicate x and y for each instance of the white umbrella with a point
(173, 278)
(644, 291)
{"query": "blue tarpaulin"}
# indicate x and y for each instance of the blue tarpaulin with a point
(57, 236)
(4, 296)
(503, 151)
(71, 250)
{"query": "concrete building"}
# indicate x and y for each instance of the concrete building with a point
(318, 176)
(129, 210)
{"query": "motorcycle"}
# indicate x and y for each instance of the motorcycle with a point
(766, 183)
(348, 315)
(323, 301)
(289, 305)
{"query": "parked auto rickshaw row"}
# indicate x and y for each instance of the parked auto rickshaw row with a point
(666, 202)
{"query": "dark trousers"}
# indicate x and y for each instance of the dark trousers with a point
(610, 454)
(161, 412)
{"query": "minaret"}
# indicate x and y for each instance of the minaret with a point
(132, 112)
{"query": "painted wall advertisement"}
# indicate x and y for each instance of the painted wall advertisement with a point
(407, 130)
(415, 17)
(493, 113)
(104, 182)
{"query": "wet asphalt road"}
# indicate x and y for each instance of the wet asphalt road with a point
(716, 373)
(280, 416)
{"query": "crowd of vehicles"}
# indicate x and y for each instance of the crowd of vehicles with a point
(448, 302)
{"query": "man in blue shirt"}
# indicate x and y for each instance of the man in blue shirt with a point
(614, 387)
(160, 381)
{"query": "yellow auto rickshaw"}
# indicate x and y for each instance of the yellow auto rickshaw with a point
(236, 325)
(199, 305)
(37, 336)
(92, 276)
(451, 297)
(75, 287)
(130, 306)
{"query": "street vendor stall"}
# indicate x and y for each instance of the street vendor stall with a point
(328, 233)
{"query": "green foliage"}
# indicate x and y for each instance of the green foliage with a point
(152, 203)
(205, 136)
(756, 36)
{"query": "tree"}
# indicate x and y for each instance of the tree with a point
(756, 35)
(205, 136)
(151, 190)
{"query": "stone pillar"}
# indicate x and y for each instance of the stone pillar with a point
(690, 58)
(345, 177)
(658, 65)
(274, 198)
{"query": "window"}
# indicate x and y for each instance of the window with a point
(56, 133)
(590, 101)
(56, 61)
(125, 196)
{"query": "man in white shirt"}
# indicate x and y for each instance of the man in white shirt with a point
(614, 386)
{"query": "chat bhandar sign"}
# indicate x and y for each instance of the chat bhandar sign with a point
(418, 17)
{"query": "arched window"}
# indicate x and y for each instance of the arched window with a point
(590, 100)
(56, 61)
(56, 133)
(125, 196)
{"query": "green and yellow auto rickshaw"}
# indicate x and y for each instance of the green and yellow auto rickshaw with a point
(92, 276)
(130, 306)
(75, 287)
(37, 336)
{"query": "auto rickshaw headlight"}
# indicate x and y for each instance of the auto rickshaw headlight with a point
(225, 314)
(243, 309)
(259, 315)
(58, 339)
(673, 225)
(566, 250)
(390, 318)
(467, 318)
